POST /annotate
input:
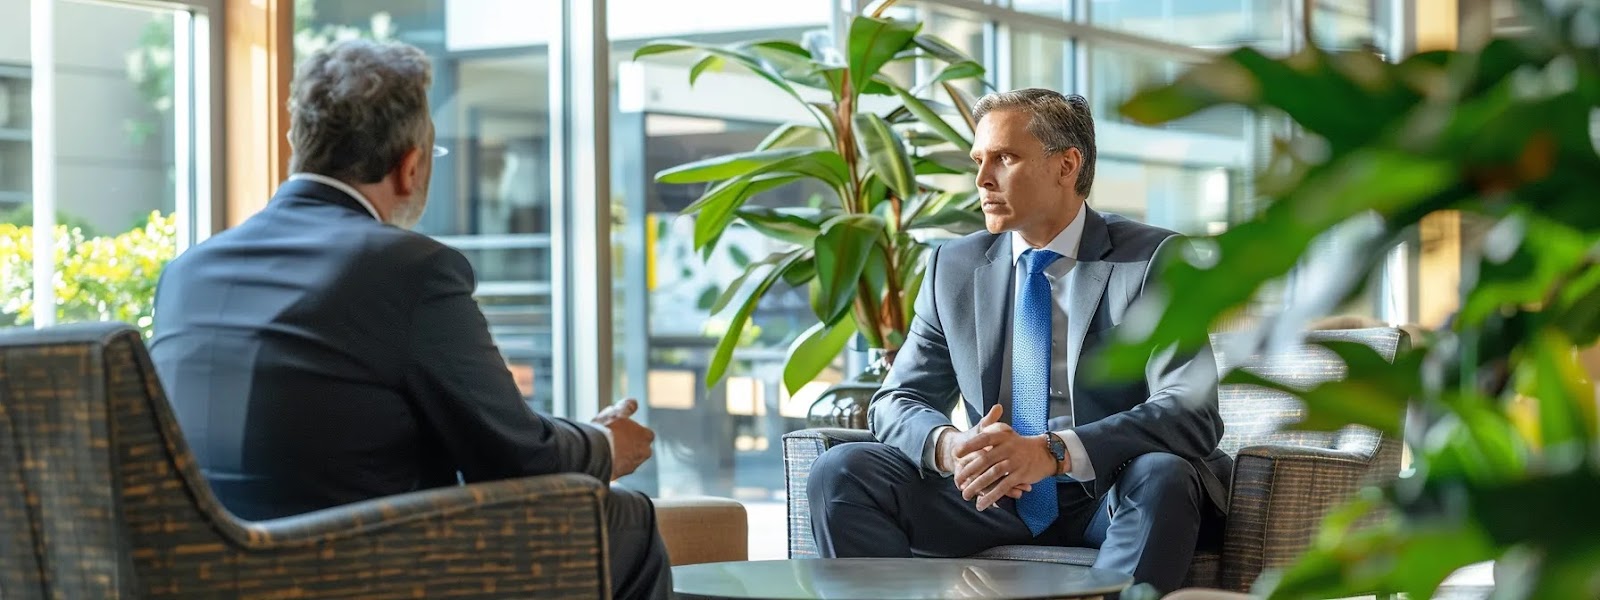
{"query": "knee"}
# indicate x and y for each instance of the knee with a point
(844, 467)
(1163, 475)
(629, 509)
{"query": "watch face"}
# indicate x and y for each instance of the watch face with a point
(1057, 448)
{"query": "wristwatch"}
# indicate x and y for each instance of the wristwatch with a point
(1058, 449)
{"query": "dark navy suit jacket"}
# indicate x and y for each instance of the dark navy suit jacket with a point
(317, 357)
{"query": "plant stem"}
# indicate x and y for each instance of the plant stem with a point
(878, 13)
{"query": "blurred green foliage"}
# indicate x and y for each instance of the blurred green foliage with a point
(98, 278)
(1506, 456)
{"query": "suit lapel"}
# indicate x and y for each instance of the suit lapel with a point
(1087, 283)
(991, 299)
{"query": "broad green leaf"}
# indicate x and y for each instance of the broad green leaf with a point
(1578, 313)
(745, 59)
(934, 121)
(730, 339)
(963, 104)
(1551, 378)
(1413, 561)
(886, 152)
(711, 62)
(729, 166)
(822, 164)
(792, 135)
(911, 289)
(814, 351)
(846, 244)
(725, 199)
(952, 220)
(957, 162)
(802, 272)
(738, 256)
(783, 46)
(1331, 406)
(1544, 253)
(1474, 442)
(923, 166)
(873, 43)
(956, 72)
(708, 298)
(944, 50)
(729, 293)
(781, 225)
(1265, 248)
(833, 79)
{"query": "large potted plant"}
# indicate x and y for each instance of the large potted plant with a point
(1504, 135)
(872, 142)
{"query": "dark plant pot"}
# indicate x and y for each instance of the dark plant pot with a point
(845, 403)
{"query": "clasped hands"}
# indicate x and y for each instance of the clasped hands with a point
(991, 461)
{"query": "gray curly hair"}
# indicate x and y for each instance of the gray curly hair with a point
(357, 107)
(1060, 121)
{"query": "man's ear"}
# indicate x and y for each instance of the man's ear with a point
(405, 174)
(1069, 165)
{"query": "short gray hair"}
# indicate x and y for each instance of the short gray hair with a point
(357, 107)
(1059, 121)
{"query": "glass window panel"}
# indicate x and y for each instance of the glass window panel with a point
(1189, 200)
(490, 197)
(1350, 24)
(722, 440)
(1041, 60)
(1116, 74)
(122, 105)
(967, 33)
(1198, 22)
(1059, 9)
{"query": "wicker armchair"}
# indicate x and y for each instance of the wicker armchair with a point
(102, 499)
(1284, 481)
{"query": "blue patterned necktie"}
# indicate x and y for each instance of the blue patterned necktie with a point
(1030, 377)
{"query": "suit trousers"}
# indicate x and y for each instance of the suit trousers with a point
(640, 568)
(868, 500)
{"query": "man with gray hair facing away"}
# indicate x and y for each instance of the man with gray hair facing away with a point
(321, 353)
(1004, 316)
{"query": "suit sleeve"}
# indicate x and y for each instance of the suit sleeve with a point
(920, 391)
(1180, 417)
(458, 380)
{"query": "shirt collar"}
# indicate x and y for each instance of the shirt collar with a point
(1065, 243)
(343, 187)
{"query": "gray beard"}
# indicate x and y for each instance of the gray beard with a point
(407, 215)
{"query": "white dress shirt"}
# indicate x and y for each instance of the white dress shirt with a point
(341, 186)
(1060, 417)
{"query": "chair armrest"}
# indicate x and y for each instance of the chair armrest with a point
(1280, 496)
(703, 530)
(530, 537)
(800, 450)
(828, 437)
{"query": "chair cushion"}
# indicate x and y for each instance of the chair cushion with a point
(1205, 571)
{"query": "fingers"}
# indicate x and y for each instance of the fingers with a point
(980, 463)
(991, 417)
(1017, 492)
(985, 480)
(626, 408)
(993, 495)
(990, 435)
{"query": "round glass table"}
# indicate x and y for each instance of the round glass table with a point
(892, 578)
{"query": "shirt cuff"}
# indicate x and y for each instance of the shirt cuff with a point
(611, 443)
(1082, 469)
(930, 450)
